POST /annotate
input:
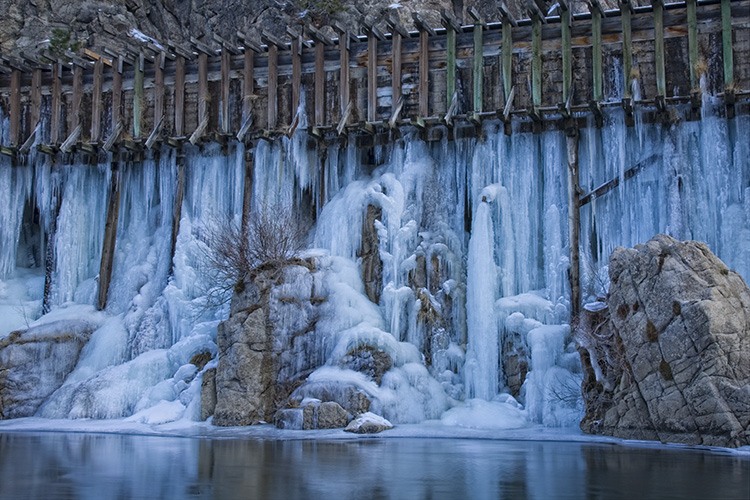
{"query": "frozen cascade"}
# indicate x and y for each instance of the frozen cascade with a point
(472, 240)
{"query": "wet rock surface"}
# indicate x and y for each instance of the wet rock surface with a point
(670, 358)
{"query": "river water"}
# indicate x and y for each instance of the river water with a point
(52, 465)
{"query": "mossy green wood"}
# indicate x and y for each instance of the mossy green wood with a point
(596, 52)
(661, 82)
(450, 65)
(536, 61)
(478, 66)
(726, 37)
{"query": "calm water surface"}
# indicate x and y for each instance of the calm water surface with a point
(61, 466)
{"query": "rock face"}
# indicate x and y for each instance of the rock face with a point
(35, 362)
(670, 361)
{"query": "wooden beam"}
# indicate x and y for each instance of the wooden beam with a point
(344, 83)
(451, 28)
(15, 107)
(110, 237)
(296, 47)
(372, 76)
(396, 85)
(56, 102)
(692, 21)
(726, 40)
(138, 69)
(226, 81)
(507, 55)
(96, 100)
(320, 83)
(596, 51)
(203, 88)
(567, 51)
(248, 85)
(179, 96)
(424, 65)
(74, 114)
(36, 96)
(627, 48)
(273, 81)
(478, 71)
(159, 62)
(536, 61)
(661, 79)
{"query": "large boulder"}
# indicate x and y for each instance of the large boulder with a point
(35, 362)
(672, 360)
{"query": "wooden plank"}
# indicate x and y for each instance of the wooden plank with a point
(179, 97)
(450, 66)
(726, 41)
(273, 80)
(567, 53)
(424, 74)
(36, 96)
(320, 84)
(661, 79)
(372, 76)
(296, 73)
(110, 237)
(96, 100)
(138, 96)
(396, 85)
(202, 87)
(248, 83)
(344, 76)
(536, 61)
(56, 103)
(15, 107)
(692, 21)
(159, 88)
(627, 48)
(596, 52)
(74, 114)
(507, 56)
(478, 73)
(226, 68)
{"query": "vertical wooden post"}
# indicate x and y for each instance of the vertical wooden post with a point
(177, 208)
(110, 235)
(424, 64)
(507, 53)
(574, 224)
(159, 88)
(478, 72)
(320, 83)
(74, 118)
(56, 102)
(396, 87)
(226, 69)
(451, 28)
(179, 96)
(296, 47)
(627, 48)
(248, 82)
(726, 40)
(117, 92)
(661, 80)
(138, 96)
(15, 107)
(596, 51)
(536, 61)
(273, 81)
(692, 42)
(96, 100)
(36, 97)
(344, 64)
(372, 76)
(567, 51)
(202, 87)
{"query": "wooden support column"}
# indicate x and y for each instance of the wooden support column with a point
(398, 34)
(74, 115)
(567, 50)
(574, 224)
(372, 76)
(179, 96)
(344, 82)
(627, 49)
(273, 79)
(424, 64)
(138, 68)
(110, 235)
(36, 96)
(202, 87)
(159, 87)
(478, 72)
(96, 100)
(248, 85)
(596, 50)
(15, 107)
(296, 49)
(451, 28)
(726, 40)
(507, 52)
(321, 41)
(536, 60)
(226, 81)
(177, 208)
(693, 43)
(56, 103)
(661, 79)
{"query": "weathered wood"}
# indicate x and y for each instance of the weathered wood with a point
(296, 47)
(138, 97)
(536, 61)
(68, 144)
(110, 237)
(450, 60)
(96, 100)
(15, 107)
(56, 103)
(114, 136)
(273, 82)
(344, 83)
(198, 133)
(692, 21)
(567, 53)
(574, 226)
(248, 84)
(627, 48)
(596, 51)
(155, 134)
(661, 79)
(372, 76)
(179, 97)
(320, 84)
(612, 184)
(726, 41)
(507, 56)
(177, 207)
(424, 74)
(344, 118)
(203, 88)
(159, 87)
(36, 96)
(396, 88)
(478, 66)
(74, 114)
(226, 81)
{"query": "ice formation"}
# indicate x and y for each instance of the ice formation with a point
(472, 239)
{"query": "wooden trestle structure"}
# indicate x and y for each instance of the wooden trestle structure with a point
(366, 85)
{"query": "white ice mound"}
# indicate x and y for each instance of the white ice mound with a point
(481, 414)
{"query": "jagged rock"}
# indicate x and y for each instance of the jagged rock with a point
(372, 266)
(348, 397)
(368, 360)
(515, 361)
(208, 393)
(331, 416)
(201, 359)
(368, 423)
(672, 363)
(35, 362)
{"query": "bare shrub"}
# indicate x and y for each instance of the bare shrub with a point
(269, 237)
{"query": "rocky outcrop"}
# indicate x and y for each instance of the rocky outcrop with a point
(372, 266)
(368, 423)
(35, 362)
(669, 359)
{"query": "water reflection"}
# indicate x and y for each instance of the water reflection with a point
(56, 466)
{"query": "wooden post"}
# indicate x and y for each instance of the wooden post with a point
(398, 34)
(478, 61)
(202, 87)
(661, 80)
(138, 96)
(56, 102)
(372, 76)
(320, 83)
(574, 225)
(296, 47)
(96, 100)
(344, 75)
(567, 50)
(627, 48)
(536, 60)
(726, 40)
(273, 81)
(36, 97)
(179, 96)
(424, 64)
(596, 50)
(159, 88)
(74, 116)
(15, 107)
(110, 235)
(451, 28)
(248, 82)
(117, 92)
(226, 80)
(177, 209)
(693, 42)
(507, 52)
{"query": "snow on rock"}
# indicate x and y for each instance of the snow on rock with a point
(368, 423)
